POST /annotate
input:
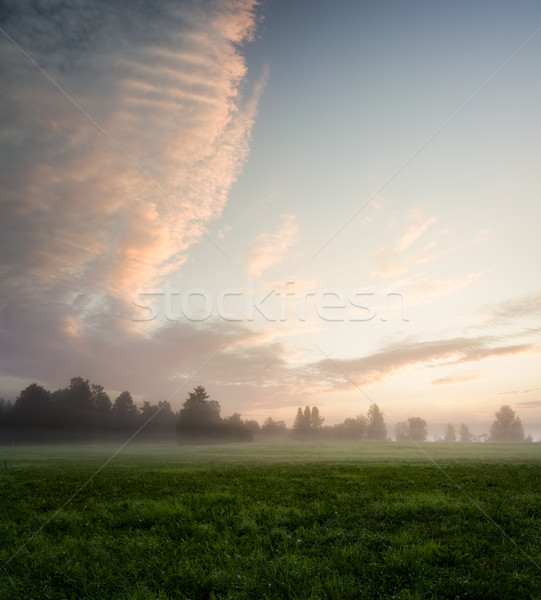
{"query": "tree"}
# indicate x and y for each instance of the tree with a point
(157, 419)
(272, 427)
(353, 429)
(74, 408)
(464, 433)
(316, 420)
(233, 428)
(252, 425)
(376, 430)
(301, 425)
(32, 407)
(414, 429)
(199, 416)
(80, 395)
(100, 399)
(417, 429)
(450, 434)
(124, 406)
(124, 413)
(308, 417)
(401, 431)
(507, 427)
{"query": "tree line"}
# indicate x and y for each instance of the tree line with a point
(84, 412)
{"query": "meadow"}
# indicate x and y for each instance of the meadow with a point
(262, 521)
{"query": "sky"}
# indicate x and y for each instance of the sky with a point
(289, 203)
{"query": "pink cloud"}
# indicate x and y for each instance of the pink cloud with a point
(271, 248)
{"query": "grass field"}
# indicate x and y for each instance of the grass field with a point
(271, 521)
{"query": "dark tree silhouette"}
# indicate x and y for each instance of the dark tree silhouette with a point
(507, 427)
(124, 413)
(124, 407)
(199, 416)
(32, 409)
(100, 399)
(234, 429)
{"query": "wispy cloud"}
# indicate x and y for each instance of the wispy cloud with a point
(407, 354)
(165, 86)
(84, 226)
(416, 224)
(460, 377)
(530, 404)
(518, 308)
(86, 222)
(518, 392)
(424, 289)
(271, 248)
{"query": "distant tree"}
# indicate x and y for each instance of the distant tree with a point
(353, 429)
(308, 417)
(301, 425)
(32, 407)
(5, 418)
(74, 409)
(252, 426)
(100, 399)
(507, 427)
(147, 411)
(158, 419)
(464, 433)
(450, 434)
(316, 420)
(376, 430)
(165, 412)
(417, 429)
(414, 429)
(272, 427)
(124, 413)
(401, 431)
(234, 429)
(80, 395)
(199, 416)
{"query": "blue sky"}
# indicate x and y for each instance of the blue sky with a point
(334, 155)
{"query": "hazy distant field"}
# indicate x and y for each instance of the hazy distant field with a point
(272, 521)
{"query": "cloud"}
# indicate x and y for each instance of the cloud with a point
(340, 373)
(271, 248)
(88, 219)
(518, 308)
(424, 289)
(164, 84)
(222, 232)
(458, 377)
(416, 224)
(530, 404)
(516, 392)
(109, 350)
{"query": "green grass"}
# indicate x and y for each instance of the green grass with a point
(264, 521)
